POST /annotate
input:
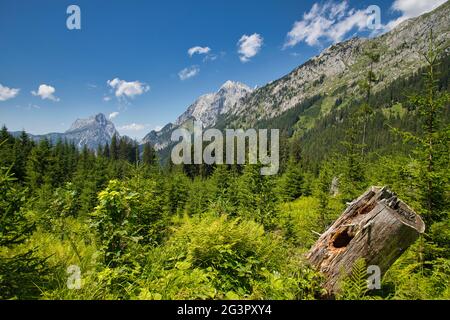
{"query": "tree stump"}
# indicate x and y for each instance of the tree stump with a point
(377, 227)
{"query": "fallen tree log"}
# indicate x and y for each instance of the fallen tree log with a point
(377, 227)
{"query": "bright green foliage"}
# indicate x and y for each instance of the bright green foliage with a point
(112, 218)
(412, 281)
(257, 200)
(354, 286)
(224, 198)
(125, 217)
(177, 192)
(21, 270)
(323, 193)
(218, 257)
(200, 195)
(148, 209)
(149, 155)
(432, 146)
(301, 220)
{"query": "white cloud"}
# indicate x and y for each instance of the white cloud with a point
(189, 72)
(198, 50)
(33, 106)
(45, 91)
(133, 127)
(411, 9)
(127, 89)
(7, 93)
(113, 115)
(330, 21)
(157, 128)
(249, 46)
(106, 98)
(210, 57)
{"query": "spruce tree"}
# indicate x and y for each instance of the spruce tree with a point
(106, 150)
(149, 155)
(39, 165)
(256, 195)
(292, 181)
(373, 56)
(432, 146)
(354, 176)
(6, 148)
(322, 192)
(22, 272)
(114, 148)
(22, 149)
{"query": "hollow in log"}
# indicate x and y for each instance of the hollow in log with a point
(377, 227)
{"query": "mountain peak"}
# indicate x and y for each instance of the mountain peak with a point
(95, 120)
(93, 131)
(100, 118)
(208, 107)
(234, 85)
(227, 83)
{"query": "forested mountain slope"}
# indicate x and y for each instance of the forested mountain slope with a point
(315, 99)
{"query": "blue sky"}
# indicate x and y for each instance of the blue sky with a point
(131, 58)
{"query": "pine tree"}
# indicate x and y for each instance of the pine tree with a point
(114, 148)
(123, 149)
(6, 148)
(22, 273)
(106, 150)
(292, 181)
(432, 146)
(257, 200)
(149, 155)
(39, 165)
(354, 178)
(224, 199)
(322, 192)
(22, 149)
(100, 150)
(177, 191)
(373, 56)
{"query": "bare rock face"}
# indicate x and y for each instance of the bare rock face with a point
(302, 83)
(208, 107)
(159, 139)
(91, 132)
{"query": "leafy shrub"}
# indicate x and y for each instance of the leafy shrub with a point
(230, 258)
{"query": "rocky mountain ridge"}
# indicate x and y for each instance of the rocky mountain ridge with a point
(90, 132)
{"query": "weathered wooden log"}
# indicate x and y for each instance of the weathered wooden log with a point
(377, 227)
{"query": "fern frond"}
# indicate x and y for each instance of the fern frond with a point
(354, 286)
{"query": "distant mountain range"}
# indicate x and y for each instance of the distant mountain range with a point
(333, 75)
(91, 132)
